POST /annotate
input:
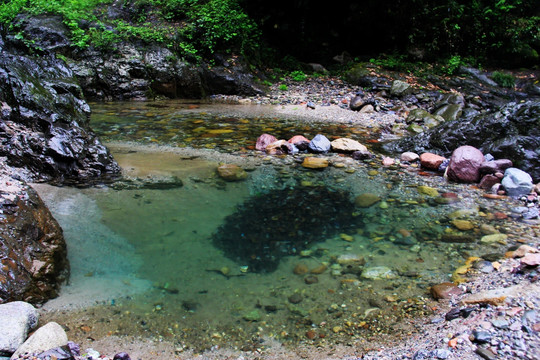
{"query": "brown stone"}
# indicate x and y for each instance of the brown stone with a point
(311, 279)
(263, 141)
(300, 269)
(32, 246)
(488, 181)
(311, 162)
(366, 200)
(231, 172)
(445, 290)
(431, 161)
(464, 165)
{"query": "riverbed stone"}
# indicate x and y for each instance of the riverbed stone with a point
(319, 144)
(347, 145)
(312, 162)
(494, 238)
(366, 200)
(49, 336)
(431, 161)
(17, 318)
(445, 290)
(264, 140)
(409, 156)
(231, 172)
(426, 190)
(465, 164)
(517, 182)
(378, 273)
(463, 225)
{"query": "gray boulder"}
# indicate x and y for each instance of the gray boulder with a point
(47, 337)
(17, 319)
(319, 144)
(400, 88)
(517, 182)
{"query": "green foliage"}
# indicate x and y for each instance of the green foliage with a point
(503, 79)
(218, 25)
(485, 29)
(452, 64)
(283, 87)
(298, 76)
(191, 27)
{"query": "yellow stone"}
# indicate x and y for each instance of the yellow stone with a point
(366, 200)
(315, 163)
(495, 238)
(220, 131)
(346, 237)
(372, 172)
(426, 190)
(463, 225)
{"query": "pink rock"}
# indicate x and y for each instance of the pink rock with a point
(531, 259)
(387, 161)
(264, 140)
(431, 161)
(464, 165)
(298, 138)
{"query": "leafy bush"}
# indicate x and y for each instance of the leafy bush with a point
(298, 76)
(283, 87)
(503, 79)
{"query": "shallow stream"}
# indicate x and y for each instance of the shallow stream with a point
(171, 263)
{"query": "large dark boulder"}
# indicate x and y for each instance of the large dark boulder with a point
(44, 125)
(33, 258)
(512, 132)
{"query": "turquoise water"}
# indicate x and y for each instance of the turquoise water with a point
(164, 263)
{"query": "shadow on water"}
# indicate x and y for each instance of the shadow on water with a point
(284, 222)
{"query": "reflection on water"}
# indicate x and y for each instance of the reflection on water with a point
(353, 274)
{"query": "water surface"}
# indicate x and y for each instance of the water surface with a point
(150, 258)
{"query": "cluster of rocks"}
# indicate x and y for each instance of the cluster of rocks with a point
(320, 144)
(467, 164)
(494, 316)
(46, 342)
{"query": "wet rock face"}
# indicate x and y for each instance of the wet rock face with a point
(33, 257)
(44, 126)
(512, 132)
(137, 71)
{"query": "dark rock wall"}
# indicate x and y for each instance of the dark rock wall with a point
(45, 119)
